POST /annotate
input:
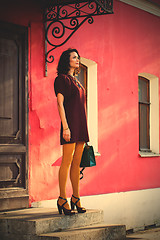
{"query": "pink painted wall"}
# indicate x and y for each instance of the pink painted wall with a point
(123, 45)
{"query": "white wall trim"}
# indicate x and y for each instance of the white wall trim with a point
(92, 102)
(135, 209)
(144, 5)
(154, 111)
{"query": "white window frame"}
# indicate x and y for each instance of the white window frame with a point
(154, 115)
(92, 102)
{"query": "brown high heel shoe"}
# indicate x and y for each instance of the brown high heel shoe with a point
(62, 208)
(73, 205)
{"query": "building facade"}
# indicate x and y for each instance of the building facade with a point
(120, 53)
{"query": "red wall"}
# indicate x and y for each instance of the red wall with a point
(122, 44)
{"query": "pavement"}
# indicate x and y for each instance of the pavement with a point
(150, 234)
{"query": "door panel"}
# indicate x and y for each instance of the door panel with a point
(12, 171)
(13, 116)
(8, 89)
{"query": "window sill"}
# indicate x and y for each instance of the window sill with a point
(97, 154)
(148, 154)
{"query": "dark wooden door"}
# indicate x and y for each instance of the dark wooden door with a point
(13, 117)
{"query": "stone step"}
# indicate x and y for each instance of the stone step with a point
(94, 232)
(36, 221)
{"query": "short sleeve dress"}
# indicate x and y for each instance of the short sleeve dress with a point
(74, 106)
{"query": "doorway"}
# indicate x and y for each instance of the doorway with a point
(13, 117)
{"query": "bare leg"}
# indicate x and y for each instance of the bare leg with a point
(75, 170)
(68, 150)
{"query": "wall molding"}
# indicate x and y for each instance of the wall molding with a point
(144, 5)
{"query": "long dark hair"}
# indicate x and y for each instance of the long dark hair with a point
(63, 64)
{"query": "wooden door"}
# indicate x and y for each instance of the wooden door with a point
(13, 117)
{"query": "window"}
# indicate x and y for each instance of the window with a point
(144, 112)
(82, 77)
(148, 115)
(89, 74)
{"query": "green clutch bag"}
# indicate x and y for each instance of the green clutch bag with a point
(88, 158)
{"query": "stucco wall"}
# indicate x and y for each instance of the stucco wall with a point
(123, 45)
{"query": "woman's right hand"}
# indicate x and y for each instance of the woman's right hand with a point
(67, 134)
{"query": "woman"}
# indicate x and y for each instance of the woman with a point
(74, 133)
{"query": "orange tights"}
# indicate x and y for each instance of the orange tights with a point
(72, 153)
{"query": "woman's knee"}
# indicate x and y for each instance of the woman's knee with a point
(75, 163)
(78, 151)
(68, 151)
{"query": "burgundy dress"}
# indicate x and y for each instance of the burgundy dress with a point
(75, 107)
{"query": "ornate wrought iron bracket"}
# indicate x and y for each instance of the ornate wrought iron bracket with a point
(63, 20)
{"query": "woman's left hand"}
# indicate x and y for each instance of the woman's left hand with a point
(67, 135)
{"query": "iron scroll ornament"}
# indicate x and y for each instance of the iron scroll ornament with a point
(62, 21)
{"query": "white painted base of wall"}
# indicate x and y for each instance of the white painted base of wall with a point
(135, 209)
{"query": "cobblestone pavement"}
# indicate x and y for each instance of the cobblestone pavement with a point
(150, 234)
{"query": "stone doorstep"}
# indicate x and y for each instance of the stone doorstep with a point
(17, 237)
(35, 221)
(94, 232)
